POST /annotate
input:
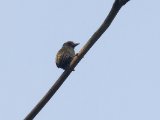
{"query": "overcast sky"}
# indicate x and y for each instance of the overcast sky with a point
(118, 79)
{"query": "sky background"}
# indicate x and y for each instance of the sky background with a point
(118, 79)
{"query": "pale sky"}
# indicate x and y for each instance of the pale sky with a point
(118, 79)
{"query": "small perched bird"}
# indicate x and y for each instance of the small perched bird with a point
(65, 55)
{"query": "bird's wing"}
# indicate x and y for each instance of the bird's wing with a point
(66, 58)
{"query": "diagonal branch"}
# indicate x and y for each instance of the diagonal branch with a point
(114, 10)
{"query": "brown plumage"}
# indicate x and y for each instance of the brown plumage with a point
(65, 54)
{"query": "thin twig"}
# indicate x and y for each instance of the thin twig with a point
(115, 9)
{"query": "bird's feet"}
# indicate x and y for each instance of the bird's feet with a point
(76, 54)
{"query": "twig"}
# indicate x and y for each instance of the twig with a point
(115, 9)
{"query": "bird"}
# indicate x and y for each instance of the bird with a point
(65, 55)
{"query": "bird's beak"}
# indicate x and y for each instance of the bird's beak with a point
(76, 44)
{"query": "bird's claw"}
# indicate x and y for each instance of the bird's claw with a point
(76, 54)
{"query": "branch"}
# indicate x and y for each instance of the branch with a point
(114, 10)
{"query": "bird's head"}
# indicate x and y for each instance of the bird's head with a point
(70, 44)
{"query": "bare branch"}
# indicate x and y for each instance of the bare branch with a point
(115, 9)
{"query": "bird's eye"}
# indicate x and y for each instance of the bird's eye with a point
(70, 43)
